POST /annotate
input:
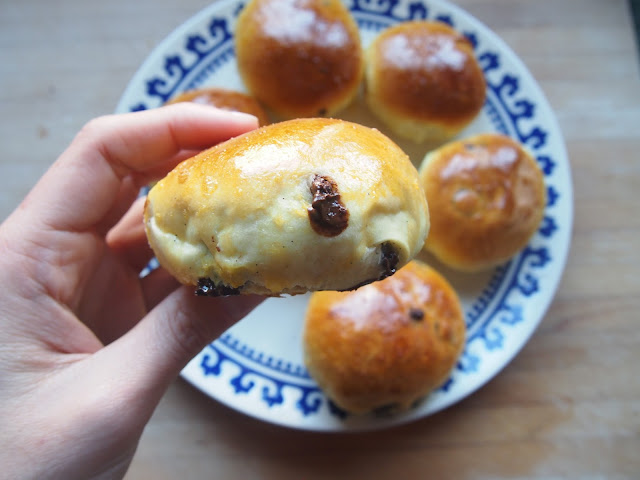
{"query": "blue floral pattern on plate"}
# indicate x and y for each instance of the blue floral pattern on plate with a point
(502, 308)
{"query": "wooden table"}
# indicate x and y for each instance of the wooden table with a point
(568, 406)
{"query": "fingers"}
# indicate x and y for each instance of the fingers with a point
(140, 141)
(154, 352)
(156, 286)
(129, 191)
(83, 186)
(128, 238)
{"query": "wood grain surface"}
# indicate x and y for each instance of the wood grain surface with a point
(568, 406)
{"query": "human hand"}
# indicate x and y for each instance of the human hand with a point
(87, 347)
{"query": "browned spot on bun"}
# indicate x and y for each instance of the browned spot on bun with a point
(327, 214)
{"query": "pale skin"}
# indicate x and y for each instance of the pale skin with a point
(87, 347)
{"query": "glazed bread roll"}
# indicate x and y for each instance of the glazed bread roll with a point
(385, 345)
(301, 58)
(224, 99)
(423, 80)
(306, 204)
(487, 198)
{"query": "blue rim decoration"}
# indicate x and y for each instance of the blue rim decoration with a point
(492, 313)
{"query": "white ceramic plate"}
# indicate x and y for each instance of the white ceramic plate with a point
(257, 367)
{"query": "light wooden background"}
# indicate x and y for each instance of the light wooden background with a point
(568, 406)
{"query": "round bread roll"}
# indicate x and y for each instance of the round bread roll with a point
(423, 80)
(487, 198)
(224, 99)
(385, 345)
(306, 204)
(301, 58)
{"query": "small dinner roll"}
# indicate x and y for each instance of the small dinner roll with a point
(385, 345)
(423, 80)
(487, 199)
(306, 204)
(224, 99)
(301, 58)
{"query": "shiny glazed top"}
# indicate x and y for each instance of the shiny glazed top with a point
(302, 58)
(242, 212)
(428, 71)
(487, 198)
(386, 343)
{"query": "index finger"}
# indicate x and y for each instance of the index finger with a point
(83, 184)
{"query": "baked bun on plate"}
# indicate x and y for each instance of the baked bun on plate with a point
(224, 99)
(301, 58)
(487, 199)
(423, 80)
(384, 345)
(301, 205)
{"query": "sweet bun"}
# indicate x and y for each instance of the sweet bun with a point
(423, 80)
(487, 198)
(301, 58)
(384, 345)
(305, 204)
(224, 99)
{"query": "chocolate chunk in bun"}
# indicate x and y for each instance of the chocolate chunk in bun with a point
(224, 99)
(296, 206)
(386, 345)
(487, 199)
(301, 58)
(423, 80)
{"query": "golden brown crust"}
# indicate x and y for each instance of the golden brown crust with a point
(385, 344)
(301, 58)
(306, 204)
(224, 99)
(423, 80)
(487, 198)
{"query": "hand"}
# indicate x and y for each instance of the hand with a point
(87, 347)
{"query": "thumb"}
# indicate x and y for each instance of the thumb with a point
(152, 354)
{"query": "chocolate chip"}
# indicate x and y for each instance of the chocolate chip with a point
(327, 214)
(389, 260)
(206, 288)
(416, 314)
